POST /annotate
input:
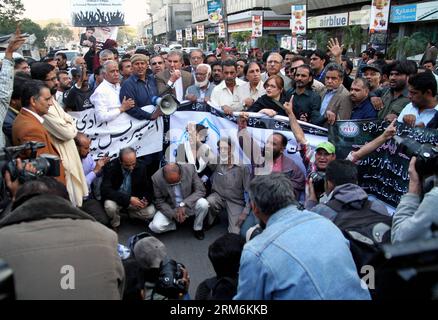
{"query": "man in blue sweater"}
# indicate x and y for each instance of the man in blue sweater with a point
(362, 107)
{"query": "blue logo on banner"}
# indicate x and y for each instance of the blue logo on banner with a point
(400, 14)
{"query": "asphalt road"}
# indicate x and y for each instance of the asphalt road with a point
(181, 246)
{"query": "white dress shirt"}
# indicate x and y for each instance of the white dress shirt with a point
(424, 116)
(247, 92)
(106, 101)
(179, 89)
(222, 96)
(39, 118)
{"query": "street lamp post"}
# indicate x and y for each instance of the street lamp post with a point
(151, 16)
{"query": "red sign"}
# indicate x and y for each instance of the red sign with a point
(276, 24)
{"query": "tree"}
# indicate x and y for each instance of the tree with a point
(402, 47)
(266, 43)
(59, 32)
(30, 27)
(321, 39)
(354, 36)
(126, 35)
(10, 11)
(241, 38)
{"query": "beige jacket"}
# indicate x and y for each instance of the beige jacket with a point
(62, 130)
(46, 241)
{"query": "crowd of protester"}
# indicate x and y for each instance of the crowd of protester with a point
(299, 239)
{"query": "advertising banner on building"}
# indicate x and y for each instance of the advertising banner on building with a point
(179, 35)
(97, 13)
(328, 21)
(360, 17)
(221, 30)
(425, 11)
(379, 15)
(257, 26)
(200, 32)
(189, 35)
(214, 9)
(298, 19)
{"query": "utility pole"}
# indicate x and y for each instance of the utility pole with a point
(151, 16)
(263, 18)
(224, 2)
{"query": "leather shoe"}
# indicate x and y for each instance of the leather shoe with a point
(215, 222)
(199, 234)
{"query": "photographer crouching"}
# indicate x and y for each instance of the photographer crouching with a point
(416, 219)
(151, 274)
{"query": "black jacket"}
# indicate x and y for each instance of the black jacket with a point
(264, 102)
(113, 179)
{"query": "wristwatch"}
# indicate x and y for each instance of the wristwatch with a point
(182, 205)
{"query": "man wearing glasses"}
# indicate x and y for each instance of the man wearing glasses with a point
(196, 58)
(157, 64)
(273, 67)
(61, 60)
(202, 89)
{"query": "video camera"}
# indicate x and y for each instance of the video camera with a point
(170, 280)
(45, 165)
(407, 270)
(427, 155)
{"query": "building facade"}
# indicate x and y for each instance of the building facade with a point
(165, 17)
(239, 18)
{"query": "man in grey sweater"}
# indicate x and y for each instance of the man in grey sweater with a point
(414, 219)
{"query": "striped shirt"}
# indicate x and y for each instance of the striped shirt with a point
(6, 87)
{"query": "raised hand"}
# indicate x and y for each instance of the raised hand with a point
(334, 47)
(15, 43)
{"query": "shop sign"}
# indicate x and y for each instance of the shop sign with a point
(328, 21)
(415, 12)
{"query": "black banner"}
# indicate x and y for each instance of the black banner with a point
(279, 123)
(384, 173)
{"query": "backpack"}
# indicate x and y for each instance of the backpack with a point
(366, 229)
(224, 288)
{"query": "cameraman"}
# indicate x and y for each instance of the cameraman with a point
(8, 188)
(154, 266)
(415, 219)
(341, 185)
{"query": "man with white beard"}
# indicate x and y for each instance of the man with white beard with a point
(202, 89)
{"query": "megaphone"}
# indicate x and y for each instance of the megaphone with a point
(167, 104)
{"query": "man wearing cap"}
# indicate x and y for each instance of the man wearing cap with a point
(141, 88)
(373, 74)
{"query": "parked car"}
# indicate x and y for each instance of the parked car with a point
(175, 47)
(189, 49)
(15, 55)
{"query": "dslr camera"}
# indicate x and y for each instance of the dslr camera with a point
(318, 178)
(170, 280)
(45, 165)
